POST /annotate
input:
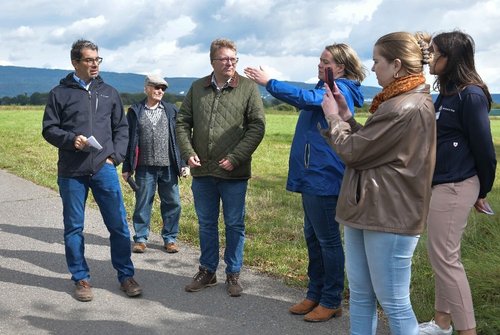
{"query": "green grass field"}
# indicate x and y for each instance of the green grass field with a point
(275, 243)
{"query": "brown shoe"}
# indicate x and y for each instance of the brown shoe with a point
(320, 314)
(303, 307)
(139, 247)
(233, 285)
(203, 278)
(171, 248)
(131, 287)
(83, 291)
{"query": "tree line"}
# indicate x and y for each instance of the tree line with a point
(40, 99)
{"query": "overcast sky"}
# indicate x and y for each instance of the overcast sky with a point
(172, 37)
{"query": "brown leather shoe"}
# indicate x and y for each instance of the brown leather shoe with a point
(320, 314)
(171, 248)
(303, 307)
(139, 247)
(233, 285)
(83, 291)
(131, 287)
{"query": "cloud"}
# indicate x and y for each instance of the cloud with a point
(277, 28)
(173, 36)
(22, 32)
(74, 30)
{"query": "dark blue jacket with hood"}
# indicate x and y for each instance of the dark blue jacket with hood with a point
(71, 110)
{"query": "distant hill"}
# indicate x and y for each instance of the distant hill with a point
(24, 80)
(16, 80)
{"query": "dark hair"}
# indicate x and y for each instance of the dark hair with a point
(460, 70)
(78, 46)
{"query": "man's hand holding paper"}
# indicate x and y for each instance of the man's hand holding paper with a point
(94, 143)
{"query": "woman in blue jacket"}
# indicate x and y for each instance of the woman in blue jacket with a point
(316, 172)
(464, 174)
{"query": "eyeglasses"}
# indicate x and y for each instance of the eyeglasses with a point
(89, 61)
(227, 60)
(158, 87)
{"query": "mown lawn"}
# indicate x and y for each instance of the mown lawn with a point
(275, 243)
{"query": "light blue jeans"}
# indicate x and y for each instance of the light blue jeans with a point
(208, 192)
(148, 178)
(379, 268)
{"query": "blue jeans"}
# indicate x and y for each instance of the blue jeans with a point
(147, 178)
(108, 196)
(379, 268)
(208, 193)
(324, 246)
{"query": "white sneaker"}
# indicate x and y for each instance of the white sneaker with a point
(431, 328)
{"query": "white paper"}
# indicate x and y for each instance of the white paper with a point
(93, 143)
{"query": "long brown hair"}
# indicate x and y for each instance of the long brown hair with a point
(460, 70)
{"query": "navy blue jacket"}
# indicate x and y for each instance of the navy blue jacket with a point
(71, 110)
(464, 142)
(314, 168)
(133, 116)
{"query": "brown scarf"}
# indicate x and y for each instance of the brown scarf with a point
(398, 86)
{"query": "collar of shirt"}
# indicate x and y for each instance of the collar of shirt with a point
(81, 82)
(158, 106)
(214, 83)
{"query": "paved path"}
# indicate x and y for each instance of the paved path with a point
(36, 290)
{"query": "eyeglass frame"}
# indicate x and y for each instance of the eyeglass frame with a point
(226, 60)
(89, 61)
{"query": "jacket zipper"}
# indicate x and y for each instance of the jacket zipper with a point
(91, 130)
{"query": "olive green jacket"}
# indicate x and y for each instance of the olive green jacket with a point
(215, 125)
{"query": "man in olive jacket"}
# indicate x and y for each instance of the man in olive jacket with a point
(220, 124)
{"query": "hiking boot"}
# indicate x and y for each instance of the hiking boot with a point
(203, 278)
(320, 314)
(303, 307)
(83, 291)
(139, 247)
(431, 328)
(233, 287)
(171, 248)
(131, 287)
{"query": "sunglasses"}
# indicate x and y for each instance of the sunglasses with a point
(158, 87)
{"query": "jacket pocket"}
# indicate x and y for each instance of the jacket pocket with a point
(307, 155)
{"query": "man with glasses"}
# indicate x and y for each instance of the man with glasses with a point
(219, 126)
(153, 156)
(85, 120)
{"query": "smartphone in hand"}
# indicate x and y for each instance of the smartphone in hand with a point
(329, 77)
(485, 208)
(487, 211)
